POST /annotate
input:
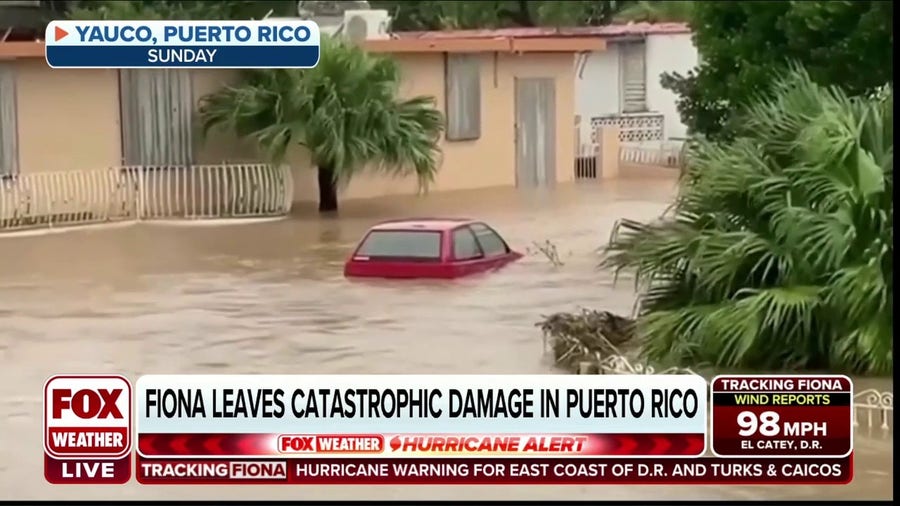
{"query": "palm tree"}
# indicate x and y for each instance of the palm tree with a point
(345, 111)
(779, 253)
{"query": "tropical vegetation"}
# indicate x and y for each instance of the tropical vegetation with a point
(177, 9)
(744, 45)
(656, 12)
(345, 112)
(778, 253)
(451, 14)
(406, 14)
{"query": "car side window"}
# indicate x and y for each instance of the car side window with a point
(490, 241)
(465, 247)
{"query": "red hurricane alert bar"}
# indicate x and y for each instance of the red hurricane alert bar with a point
(782, 416)
(397, 445)
(87, 429)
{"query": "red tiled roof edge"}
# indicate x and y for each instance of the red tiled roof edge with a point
(608, 31)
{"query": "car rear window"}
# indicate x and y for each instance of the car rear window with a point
(424, 245)
(490, 242)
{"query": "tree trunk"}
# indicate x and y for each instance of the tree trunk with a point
(328, 200)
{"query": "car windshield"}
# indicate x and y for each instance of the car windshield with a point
(423, 245)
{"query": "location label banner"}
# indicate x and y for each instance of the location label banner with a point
(183, 44)
(782, 416)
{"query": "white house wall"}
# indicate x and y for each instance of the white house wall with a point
(597, 89)
(668, 53)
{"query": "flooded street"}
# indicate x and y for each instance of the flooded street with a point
(270, 298)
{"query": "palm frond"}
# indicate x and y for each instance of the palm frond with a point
(779, 252)
(346, 111)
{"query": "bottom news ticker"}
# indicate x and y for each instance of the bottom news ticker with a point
(481, 471)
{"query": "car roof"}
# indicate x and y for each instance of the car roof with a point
(427, 224)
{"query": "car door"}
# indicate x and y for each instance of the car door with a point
(496, 251)
(468, 258)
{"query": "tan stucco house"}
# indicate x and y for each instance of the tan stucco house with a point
(509, 103)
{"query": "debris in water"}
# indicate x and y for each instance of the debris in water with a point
(588, 335)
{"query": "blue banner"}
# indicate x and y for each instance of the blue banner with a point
(278, 43)
(183, 56)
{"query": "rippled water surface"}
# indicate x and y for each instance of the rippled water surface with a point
(270, 298)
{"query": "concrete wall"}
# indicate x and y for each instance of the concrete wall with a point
(69, 119)
(597, 90)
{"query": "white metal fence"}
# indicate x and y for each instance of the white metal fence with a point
(873, 412)
(640, 140)
(55, 199)
(663, 154)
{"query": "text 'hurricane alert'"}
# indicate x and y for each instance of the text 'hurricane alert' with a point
(182, 44)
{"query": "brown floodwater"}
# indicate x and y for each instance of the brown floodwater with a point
(269, 297)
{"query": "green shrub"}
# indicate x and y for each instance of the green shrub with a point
(779, 254)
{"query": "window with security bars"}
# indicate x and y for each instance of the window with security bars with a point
(463, 83)
(633, 72)
(9, 137)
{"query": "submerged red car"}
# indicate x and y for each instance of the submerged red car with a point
(442, 248)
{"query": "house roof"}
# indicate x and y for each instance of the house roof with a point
(604, 32)
(504, 40)
(542, 39)
(400, 43)
(403, 44)
(19, 49)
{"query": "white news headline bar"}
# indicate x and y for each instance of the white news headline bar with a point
(588, 404)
